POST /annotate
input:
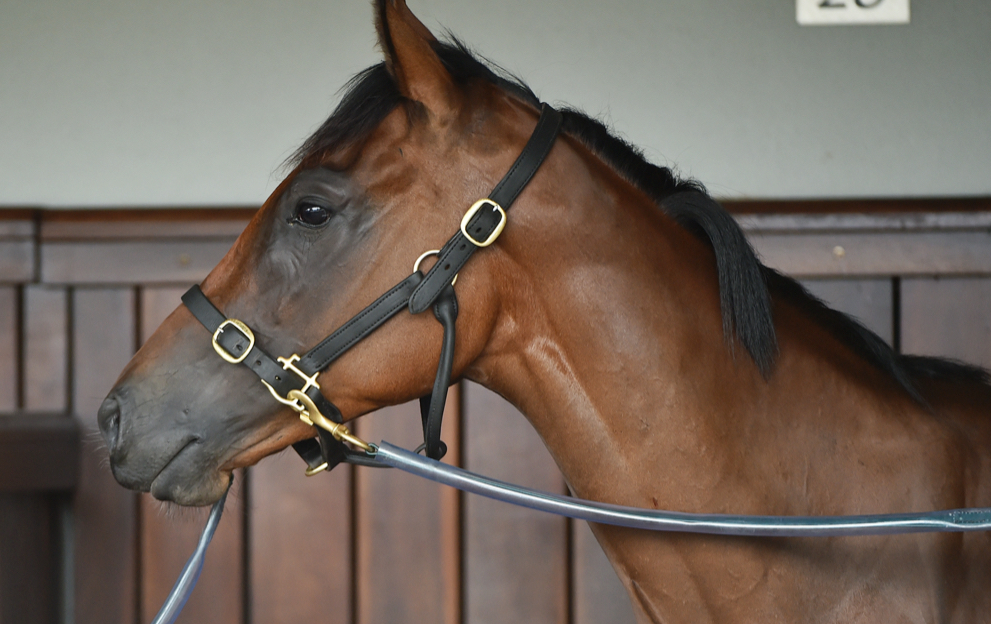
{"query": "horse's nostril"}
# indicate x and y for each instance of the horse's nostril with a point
(108, 418)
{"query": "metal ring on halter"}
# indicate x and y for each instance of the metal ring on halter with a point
(427, 254)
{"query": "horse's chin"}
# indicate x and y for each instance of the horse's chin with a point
(189, 488)
(188, 475)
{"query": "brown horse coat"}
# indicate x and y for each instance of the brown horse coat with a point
(602, 319)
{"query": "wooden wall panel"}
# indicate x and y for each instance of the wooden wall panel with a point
(872, 245)
(104, 513)
(300, 541)
(148, 262)
(867, 300)
(947, 316)
(157, 302)
(29, 559)
(515, 559)
(9, 339)
(17, 246)
(16, 261)
(597, 593)
(46, 341)
(407, 528)
(422, 553)
(168, 535)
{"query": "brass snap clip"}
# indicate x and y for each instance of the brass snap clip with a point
(310, 414)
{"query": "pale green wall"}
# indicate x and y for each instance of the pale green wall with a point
(182, 102)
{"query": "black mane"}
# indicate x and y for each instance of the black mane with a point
(744, 282)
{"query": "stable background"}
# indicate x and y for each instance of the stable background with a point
(137, 137)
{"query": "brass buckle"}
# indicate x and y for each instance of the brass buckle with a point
(471, 213)
(222, 352)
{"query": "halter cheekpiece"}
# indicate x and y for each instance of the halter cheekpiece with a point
(292, 380)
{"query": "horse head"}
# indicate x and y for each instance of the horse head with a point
(388, 177)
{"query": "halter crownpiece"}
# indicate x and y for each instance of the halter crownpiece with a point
(292, 380)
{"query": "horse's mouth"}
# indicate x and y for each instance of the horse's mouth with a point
(163, 483)
(186, 480)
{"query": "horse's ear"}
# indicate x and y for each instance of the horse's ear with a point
(410, 57)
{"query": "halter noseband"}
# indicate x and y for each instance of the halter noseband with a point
(293, 382)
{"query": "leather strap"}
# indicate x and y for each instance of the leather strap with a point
(432, 406)
(460, 248)
(235, 342)
(328, 449)
(417, 292)
(360, 325)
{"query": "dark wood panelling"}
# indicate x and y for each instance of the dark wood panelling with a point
(420, 550)
(871, 254)
(168, 536)
(947, 316)
(597, 593)
(105, 540)
(867, 300)
(108, 225)
(46, 341)
(9, 339)
(515, 559)
(860, 206)
(17, 223)
(29, 559)
(407, 529)
(38, 452)
(184, 262)
(16, 261)
(17, 245)
(300, 543)
(157, 303)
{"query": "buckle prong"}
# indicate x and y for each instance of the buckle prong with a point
(471, 213)
(222, 352)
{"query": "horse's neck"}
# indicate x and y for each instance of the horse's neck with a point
(610, 337)
(610, 340)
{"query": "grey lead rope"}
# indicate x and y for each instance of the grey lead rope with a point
(977, 519)
(956, 520)
(184, 585)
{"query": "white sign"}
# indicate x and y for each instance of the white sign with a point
(816, 12)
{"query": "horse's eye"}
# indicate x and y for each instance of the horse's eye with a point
(312, 215)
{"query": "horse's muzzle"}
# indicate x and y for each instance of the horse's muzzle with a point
(108, 418)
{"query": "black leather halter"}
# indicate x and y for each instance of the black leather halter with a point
(293, 380)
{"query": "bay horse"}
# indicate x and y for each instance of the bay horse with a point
(623, 312)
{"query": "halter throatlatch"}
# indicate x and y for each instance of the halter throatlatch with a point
(292, 380)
